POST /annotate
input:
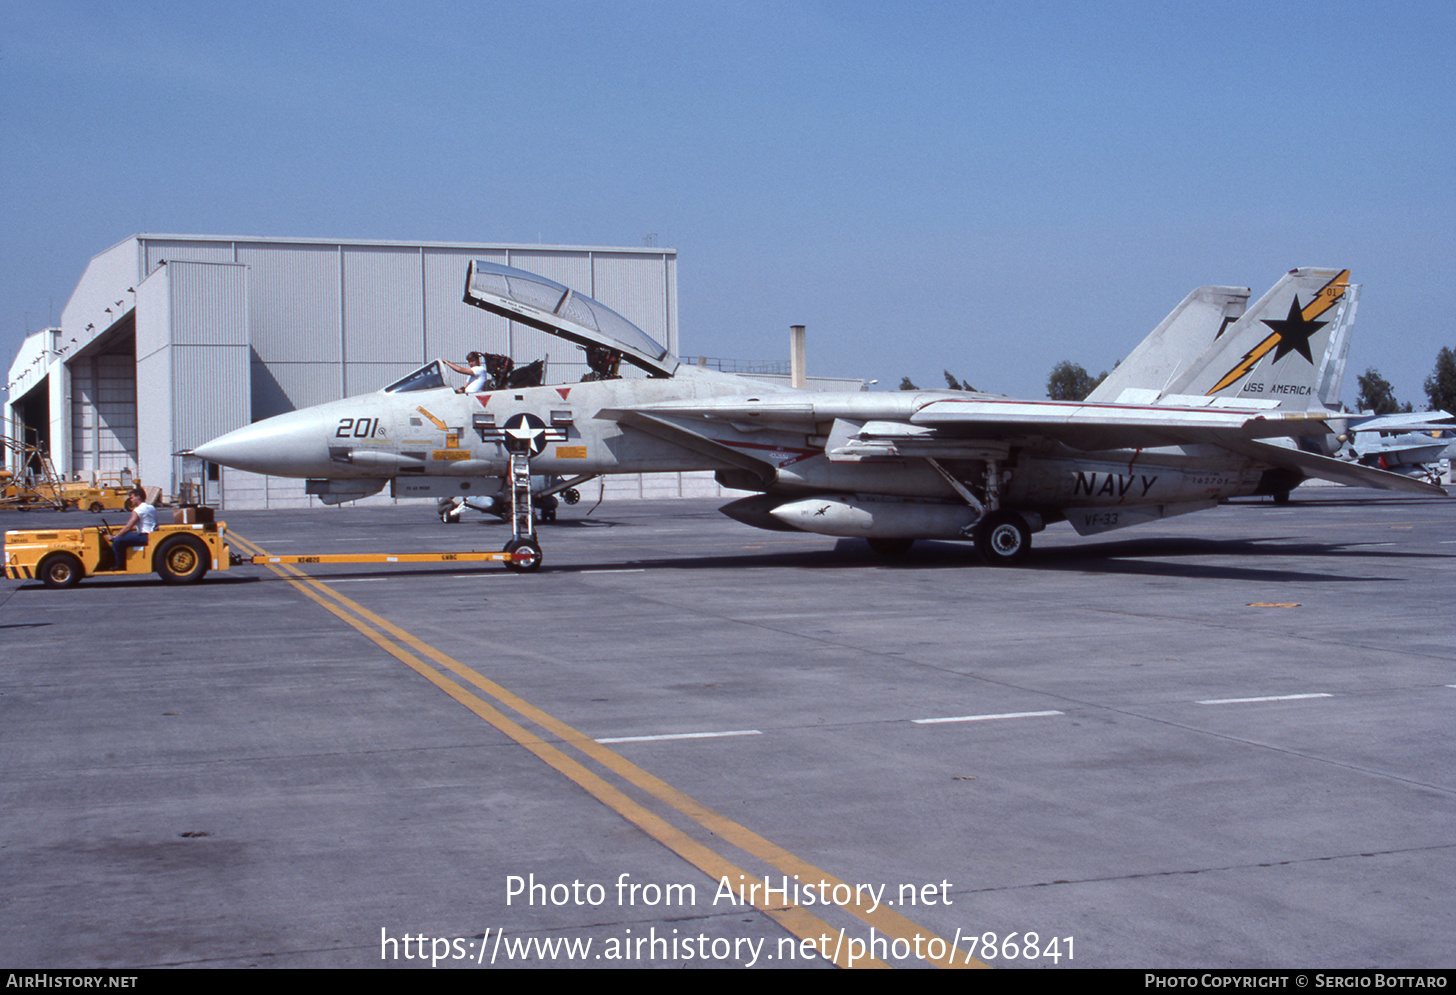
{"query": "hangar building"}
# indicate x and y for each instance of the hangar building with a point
(171, 340)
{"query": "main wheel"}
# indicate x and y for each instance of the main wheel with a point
(96, 508)
(891, 547)
(1003, 538)
(526, 555)
(60, 570)
(181, 560)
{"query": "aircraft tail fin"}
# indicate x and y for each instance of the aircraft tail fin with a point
(1180, 340)
(1290, 347)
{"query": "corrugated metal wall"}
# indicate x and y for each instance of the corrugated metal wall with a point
(384, 315)
(453, 328)
(155, 251)
(106, 283)
(210, 341)
(103, 413)
(195, 387)
(631, 284)
(295, 292)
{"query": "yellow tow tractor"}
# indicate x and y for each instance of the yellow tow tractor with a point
(184, 553)
(105, 495)
(180, 554)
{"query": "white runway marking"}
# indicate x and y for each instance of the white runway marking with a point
(1274, 697)
(681, 735)
(986, 718)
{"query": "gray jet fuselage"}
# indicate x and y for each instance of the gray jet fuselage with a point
(439, 432)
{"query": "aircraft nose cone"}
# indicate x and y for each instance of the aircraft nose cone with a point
(285, 445)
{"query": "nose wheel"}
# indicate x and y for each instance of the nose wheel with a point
(525, 555)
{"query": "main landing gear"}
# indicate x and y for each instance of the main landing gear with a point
(1002, 538)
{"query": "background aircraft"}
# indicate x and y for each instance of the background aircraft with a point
(1409, 443)
(888, 467)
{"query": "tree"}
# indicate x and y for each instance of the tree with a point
(907, 384)
(1376, 394)
(1070, 382)
(955, 384)
(1441, 384)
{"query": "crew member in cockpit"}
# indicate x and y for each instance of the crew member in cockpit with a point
(486, 370)
(475, 370)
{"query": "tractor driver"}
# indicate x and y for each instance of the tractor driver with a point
(138, 527)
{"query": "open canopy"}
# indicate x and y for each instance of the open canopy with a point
(561, 311)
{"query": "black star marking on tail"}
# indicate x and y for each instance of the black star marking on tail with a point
(1294, 332)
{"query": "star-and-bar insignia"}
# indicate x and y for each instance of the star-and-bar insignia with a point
(525, 433)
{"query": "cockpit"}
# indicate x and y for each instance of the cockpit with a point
(503, 374)
(605, 336)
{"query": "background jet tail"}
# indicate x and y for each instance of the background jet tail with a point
(1181, 339)
(1290, 347)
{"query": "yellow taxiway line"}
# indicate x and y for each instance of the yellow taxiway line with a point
(409, 649)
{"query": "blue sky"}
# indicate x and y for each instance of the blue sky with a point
(988, 188)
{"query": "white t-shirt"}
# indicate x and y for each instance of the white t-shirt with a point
(146, 517)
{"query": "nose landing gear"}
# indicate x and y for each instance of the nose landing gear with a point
(524, 549)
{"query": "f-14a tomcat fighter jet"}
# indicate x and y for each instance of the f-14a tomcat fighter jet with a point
(1218, 402)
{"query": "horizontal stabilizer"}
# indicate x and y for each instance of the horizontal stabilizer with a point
(1405, 421)
(1338, 471)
